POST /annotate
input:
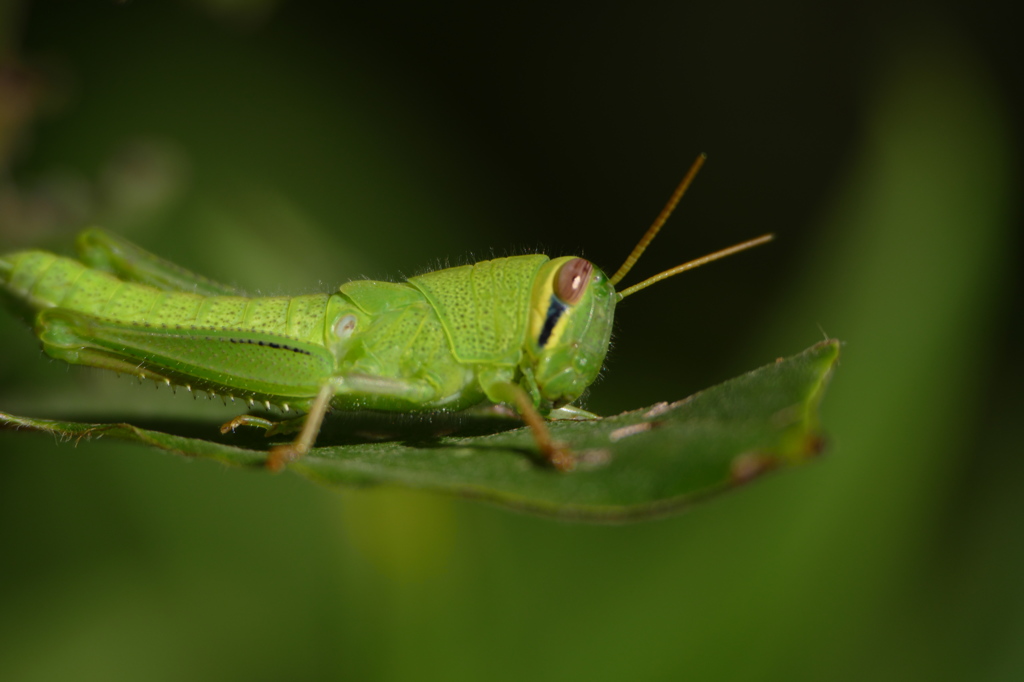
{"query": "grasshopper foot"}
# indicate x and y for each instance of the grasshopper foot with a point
(561, 457)
(280, 455)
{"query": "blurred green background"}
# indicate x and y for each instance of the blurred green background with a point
(290, 146)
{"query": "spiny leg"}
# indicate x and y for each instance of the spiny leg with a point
(180, 356)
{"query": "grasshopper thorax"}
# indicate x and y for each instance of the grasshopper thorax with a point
(571, 310)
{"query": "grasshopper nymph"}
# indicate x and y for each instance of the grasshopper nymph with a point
(528, 331)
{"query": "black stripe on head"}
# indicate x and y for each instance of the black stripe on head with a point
(555, 310)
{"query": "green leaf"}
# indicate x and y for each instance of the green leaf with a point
(638, 464)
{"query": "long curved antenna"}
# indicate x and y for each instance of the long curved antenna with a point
(696, 263)
(652, 231)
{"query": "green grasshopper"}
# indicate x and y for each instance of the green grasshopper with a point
(527, 332)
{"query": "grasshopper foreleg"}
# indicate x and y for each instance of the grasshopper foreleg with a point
(554, 452)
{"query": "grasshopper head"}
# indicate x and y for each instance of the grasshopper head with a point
(571, 313)
(573, 303)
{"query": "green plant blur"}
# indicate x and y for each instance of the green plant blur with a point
(288, 146)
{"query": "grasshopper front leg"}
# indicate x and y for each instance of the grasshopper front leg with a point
(557, 454)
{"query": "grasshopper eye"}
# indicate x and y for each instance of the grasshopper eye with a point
(572, 279)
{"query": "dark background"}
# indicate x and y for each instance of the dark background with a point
(290, 146)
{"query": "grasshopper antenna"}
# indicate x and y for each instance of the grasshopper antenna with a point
(653, 230)
(696, 263)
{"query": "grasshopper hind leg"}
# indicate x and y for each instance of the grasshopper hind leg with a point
(110, 253)
(65, 336)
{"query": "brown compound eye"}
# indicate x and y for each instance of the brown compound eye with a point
(571, 280)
